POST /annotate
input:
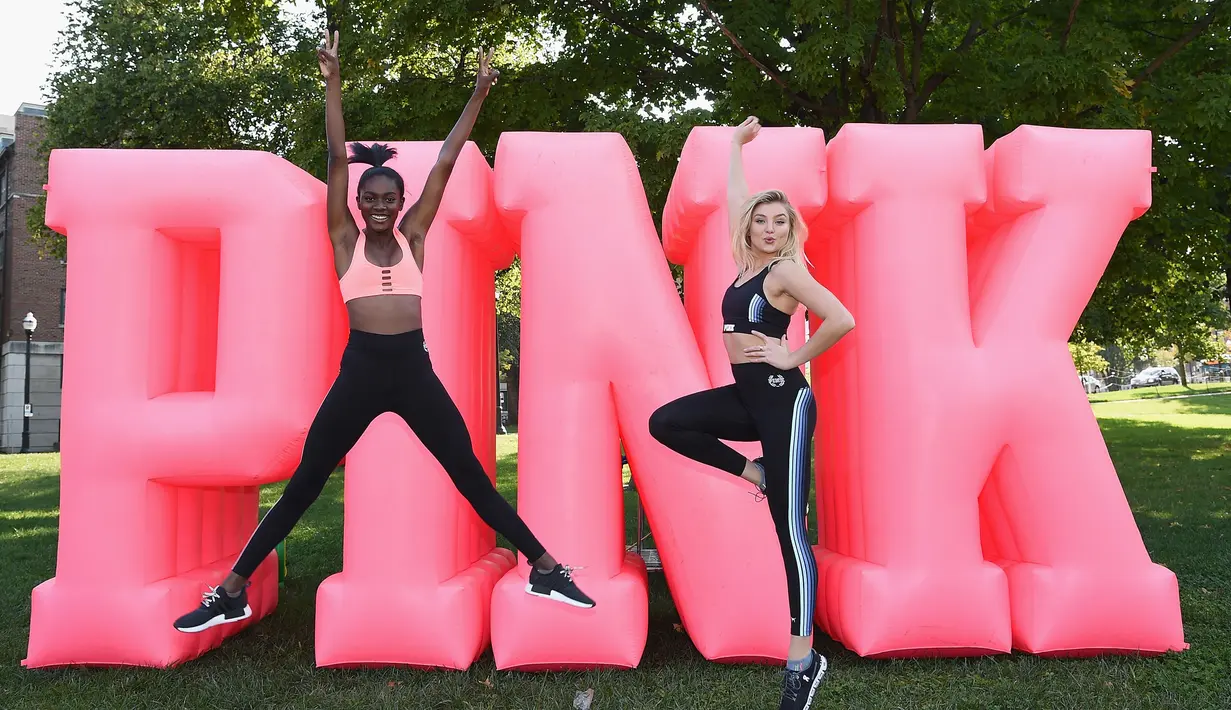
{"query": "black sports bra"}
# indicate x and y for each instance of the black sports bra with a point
(745, 308)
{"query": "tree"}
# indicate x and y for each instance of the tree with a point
(508, 332)
(232, 73)
(1165, 357)
(163, 74)
(1086, 357)
(1189, 316)
(1000, 63)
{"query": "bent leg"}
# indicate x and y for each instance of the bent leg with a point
(694, 425)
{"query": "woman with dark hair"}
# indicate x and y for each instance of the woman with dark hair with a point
(385, 367)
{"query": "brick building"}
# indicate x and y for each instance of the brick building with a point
(29, 283)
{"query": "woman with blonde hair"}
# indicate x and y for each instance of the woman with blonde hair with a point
(770, 402)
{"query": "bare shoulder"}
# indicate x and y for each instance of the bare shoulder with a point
(785, 274)
(789, 270)
(795, 281)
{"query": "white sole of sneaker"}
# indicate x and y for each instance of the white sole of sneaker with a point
(820, 676)
(216, 621)
(556, 597)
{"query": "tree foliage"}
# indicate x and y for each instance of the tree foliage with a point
(1189, 317)
(508, 318)
(1086, 357)
(240, 73)
(165, 74)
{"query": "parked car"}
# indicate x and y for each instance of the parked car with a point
(1154, 377)
(1092, 384)
(1216, 372)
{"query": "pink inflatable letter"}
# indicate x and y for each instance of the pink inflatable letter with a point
(194, 363)
(605, 342)
(969, 501)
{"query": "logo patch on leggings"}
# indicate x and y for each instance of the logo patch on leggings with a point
(776, 380)
(424, 346)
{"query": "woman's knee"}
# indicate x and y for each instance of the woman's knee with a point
(663, 423)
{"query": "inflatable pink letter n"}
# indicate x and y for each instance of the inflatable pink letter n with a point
(195, 357)
(605, 342)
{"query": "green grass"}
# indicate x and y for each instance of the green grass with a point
(1174, 457)
(1156, 392)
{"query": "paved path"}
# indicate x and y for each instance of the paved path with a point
(1156, 399)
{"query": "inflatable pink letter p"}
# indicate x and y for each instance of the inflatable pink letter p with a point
(195, 357)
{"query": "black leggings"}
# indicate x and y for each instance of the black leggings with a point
(776, 408)
(385, 373)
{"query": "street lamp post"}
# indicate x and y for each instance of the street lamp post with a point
(29, 323)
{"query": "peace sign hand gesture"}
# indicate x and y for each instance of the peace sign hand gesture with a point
(327, 55)
(486, 75)
(771, 351)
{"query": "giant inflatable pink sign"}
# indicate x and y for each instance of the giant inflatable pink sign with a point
(960, 512)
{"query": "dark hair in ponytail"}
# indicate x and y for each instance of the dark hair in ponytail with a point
(376, 155)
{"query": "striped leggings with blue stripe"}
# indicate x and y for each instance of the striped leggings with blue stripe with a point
(776, 408)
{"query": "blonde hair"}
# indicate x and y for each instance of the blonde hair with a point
(741, 237)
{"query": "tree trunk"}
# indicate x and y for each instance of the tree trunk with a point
(1227, 263)
(1179, 356)
(513, 378)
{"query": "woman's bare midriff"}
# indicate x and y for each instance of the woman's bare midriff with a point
(386, 314)
(736, 342)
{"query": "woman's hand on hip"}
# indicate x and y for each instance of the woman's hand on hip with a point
(771, 351)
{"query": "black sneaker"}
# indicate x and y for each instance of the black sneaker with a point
(798, 687)
(557, 585)
(217, 607)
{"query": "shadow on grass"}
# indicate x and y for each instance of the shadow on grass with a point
(29, 492)
(1220, 404)
(1213, 404)
(1178, 483)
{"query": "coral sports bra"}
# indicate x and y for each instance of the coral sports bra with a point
(363, 278)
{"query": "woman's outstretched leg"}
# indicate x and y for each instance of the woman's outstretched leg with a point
(430, 412)
(351, 404)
